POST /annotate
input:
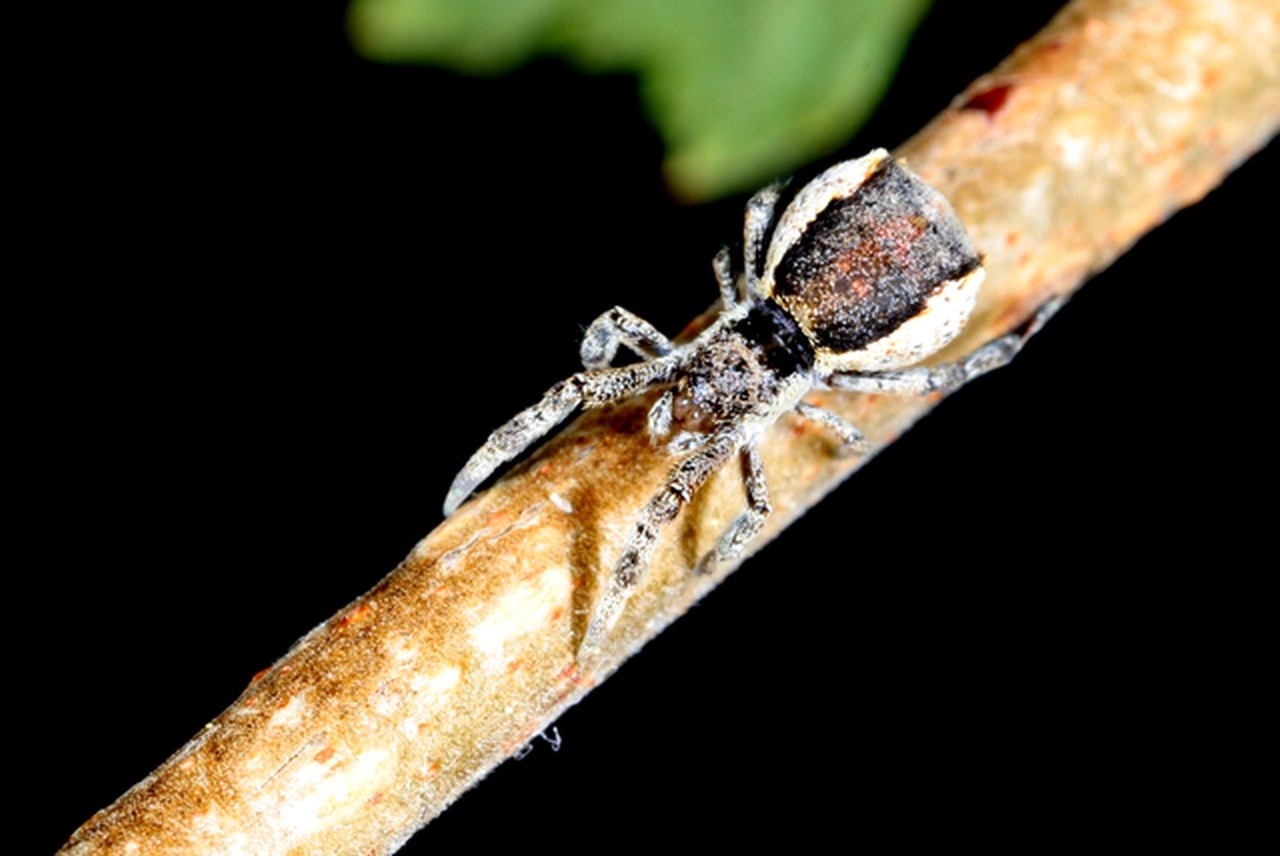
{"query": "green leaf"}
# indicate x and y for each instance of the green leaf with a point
(740, 90)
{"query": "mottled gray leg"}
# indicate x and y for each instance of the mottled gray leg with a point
(679, 488)
(620, 327)
(948, 377)
(589, 389)
(722, 264)
(749, 522)
(759, 216)
(851, 439)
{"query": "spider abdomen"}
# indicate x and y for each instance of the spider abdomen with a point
(881, 275)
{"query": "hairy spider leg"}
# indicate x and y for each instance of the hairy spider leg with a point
(681, 484)
(749, 522)
(948, 377)
(759, 218)
(588, 389)
(722, 264)
(620, 327)
(851, 439)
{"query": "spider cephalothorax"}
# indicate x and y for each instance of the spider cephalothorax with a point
(867, 271)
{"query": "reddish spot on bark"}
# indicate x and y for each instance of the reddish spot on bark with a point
(544, 469)
(250, 703)
(439, 591)
(323, 755)
(423, 726)
(186, 763)
(570, 673)
(989, 101)
(257, 676)
(433, 769)
(1011, 239)
(514, 666)
(376, 798)
(495, 518)
(557, 614)
(357, 614)
(284, 702)
(934, 396)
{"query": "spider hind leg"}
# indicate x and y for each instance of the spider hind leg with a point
(948, 377)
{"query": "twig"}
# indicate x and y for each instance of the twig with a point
(1113, 117)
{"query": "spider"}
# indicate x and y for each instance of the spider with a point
(866, 272)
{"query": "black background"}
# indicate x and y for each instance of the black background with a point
(293, 291)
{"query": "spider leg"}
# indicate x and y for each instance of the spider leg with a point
(722, 264)
(620, 327)
(851, 439)
(948, 377)
(759, 217)
(745, 527)
(588, 389)
(687, 476)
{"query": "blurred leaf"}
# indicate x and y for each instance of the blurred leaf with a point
(740, 90)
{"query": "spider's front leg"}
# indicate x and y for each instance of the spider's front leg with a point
(620, 327)
(948, 377)
(588, 389)
(682, 482)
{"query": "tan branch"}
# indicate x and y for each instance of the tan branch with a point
(1113, 117)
